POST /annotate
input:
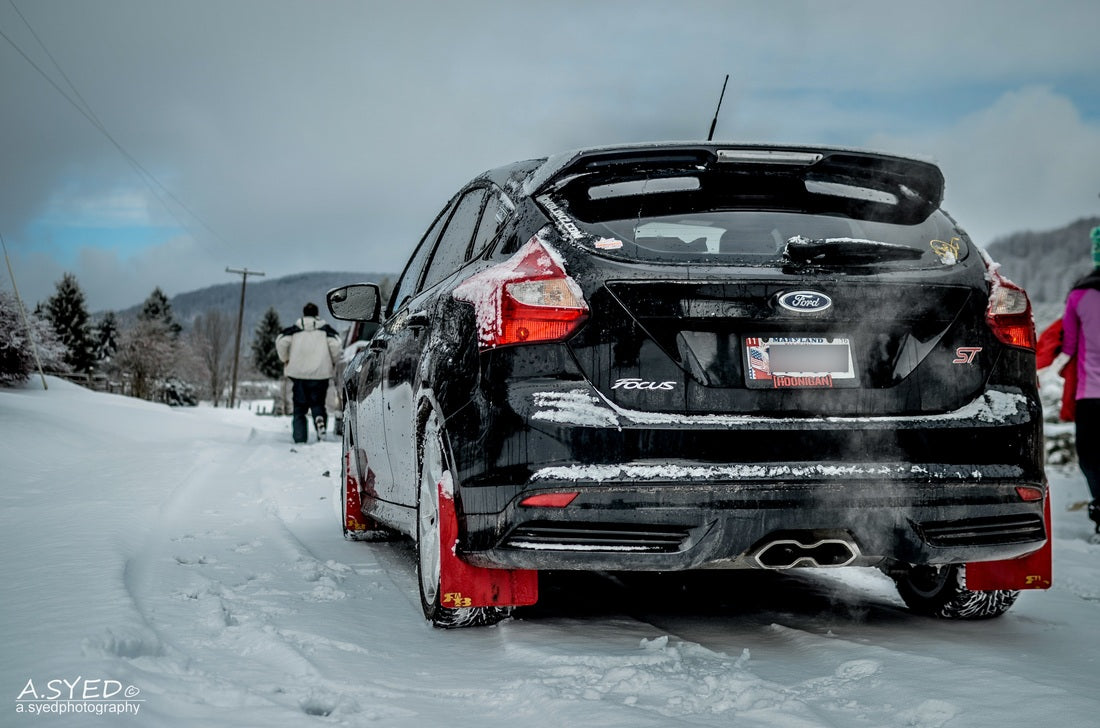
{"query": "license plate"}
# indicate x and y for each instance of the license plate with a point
(798, 362)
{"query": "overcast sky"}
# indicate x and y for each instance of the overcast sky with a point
(154, 143)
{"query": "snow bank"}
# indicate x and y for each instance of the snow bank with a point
(192, 558)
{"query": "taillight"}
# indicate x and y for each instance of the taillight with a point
(526, 299)
(1009, 312)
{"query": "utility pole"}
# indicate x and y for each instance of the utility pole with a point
(244, 273)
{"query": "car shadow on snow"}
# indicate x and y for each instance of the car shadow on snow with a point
(797, 597)
(749, 596)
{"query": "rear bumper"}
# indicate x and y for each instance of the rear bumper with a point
(617, 524)
(669, 492)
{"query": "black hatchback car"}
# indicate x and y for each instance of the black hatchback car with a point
(699, 356)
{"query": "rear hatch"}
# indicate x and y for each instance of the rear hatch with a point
(772, 282)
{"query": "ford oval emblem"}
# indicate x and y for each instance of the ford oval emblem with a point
(805, 301)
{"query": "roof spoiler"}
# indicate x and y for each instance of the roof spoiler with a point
(910, 187)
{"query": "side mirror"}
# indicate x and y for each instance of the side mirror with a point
(357, 302)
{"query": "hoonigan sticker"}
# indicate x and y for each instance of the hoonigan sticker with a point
(781, 380)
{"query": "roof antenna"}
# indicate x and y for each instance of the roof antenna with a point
(714, 123)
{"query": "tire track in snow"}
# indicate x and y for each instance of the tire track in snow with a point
(254, 600)
(222, 583)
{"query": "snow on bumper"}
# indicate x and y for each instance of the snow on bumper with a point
(688, 511)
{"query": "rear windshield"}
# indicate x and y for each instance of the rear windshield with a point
(678, 219)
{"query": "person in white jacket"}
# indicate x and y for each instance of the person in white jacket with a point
(309, 351)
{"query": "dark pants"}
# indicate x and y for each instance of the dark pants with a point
(309, 396)
(1088, 448)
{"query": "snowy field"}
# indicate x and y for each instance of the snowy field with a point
(185, 567)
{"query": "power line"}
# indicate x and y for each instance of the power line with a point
(56, 65)
(146, 176)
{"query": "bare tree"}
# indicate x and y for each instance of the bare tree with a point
(211, 339)
(147, 354)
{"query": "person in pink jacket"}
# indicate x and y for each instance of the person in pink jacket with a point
(1081, 338)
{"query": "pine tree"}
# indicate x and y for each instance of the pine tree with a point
(106, 336)
(157, 308)
(264, 355)
(68, 314)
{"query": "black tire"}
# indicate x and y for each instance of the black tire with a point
(433, 462)
(941, 592)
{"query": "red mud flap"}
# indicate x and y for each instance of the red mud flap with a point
(353, 513)
(1033, 571)
(463, 585)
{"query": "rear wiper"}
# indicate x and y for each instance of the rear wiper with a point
(846, 251)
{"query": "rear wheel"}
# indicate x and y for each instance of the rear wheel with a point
(941, 592)
(434, 469)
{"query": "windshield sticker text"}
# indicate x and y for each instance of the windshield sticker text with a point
(564, 222)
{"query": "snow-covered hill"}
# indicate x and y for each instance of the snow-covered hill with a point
(187, 565)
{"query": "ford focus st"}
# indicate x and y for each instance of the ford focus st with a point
(699, 356)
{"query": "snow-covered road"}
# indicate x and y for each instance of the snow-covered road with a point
(193, 557)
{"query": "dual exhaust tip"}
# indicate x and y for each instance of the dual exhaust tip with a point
(787, 553)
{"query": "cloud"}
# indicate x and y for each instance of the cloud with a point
(113, 279)
(1028, 161)
(297, 135)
